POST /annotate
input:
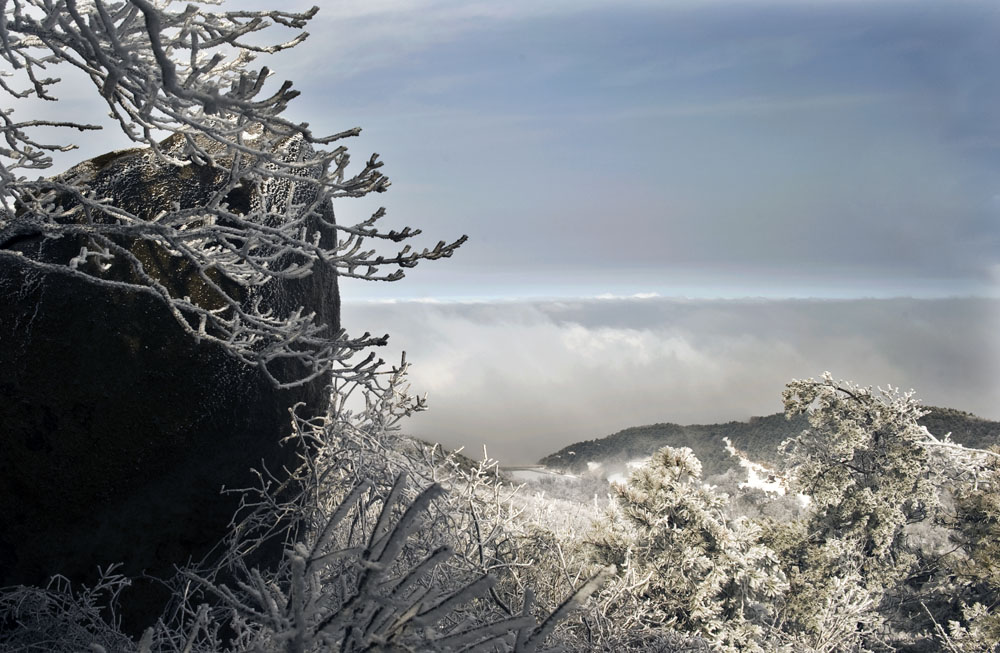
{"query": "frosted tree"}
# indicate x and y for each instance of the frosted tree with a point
(964, 595)
(187, 73)
(864, 463)
(684, 565)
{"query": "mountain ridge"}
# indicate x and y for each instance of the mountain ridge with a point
(758, 438)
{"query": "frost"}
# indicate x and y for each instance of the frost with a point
(187, 72)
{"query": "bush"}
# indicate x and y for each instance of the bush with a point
(388, 545)
(684, 565)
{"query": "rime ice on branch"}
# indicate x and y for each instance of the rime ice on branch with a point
(188, 73)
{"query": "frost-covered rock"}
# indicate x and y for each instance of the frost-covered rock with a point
(117, 428)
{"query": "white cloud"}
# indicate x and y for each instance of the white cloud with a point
(528, 378)
(638, 295)
(360, 36)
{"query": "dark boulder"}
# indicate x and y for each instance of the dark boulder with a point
(118, 429)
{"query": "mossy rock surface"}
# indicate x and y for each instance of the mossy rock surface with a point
(117, 429)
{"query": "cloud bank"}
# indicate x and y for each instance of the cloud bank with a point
(526, 378)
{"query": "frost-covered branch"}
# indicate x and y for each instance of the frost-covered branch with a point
(373, 560)
(188, 73)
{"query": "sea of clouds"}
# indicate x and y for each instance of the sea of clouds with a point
(525, 378)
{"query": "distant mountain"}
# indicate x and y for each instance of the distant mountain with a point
(759, 438)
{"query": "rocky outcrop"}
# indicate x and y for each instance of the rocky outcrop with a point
(117, 429)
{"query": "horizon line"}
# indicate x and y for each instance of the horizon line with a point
(651, 296)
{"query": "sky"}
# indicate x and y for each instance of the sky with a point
(684, 148)
(705, 168)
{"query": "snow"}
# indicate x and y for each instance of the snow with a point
(533, 474)
(621, 478)
(761, 477)
(758, 476)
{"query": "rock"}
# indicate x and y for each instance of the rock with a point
(117, 429)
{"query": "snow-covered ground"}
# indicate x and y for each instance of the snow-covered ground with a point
(621, 478)
(761, 477)
(758, 476)
(535, 473)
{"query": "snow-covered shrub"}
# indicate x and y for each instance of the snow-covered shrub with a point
(864, 465)
(684, 566)
(388, 546)
(973, 570)
(59, 618)
(876, 549)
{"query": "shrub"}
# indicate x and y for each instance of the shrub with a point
(684, 565)
(386, 547)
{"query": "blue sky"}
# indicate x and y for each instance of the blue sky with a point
(680, 147)
(685, 148)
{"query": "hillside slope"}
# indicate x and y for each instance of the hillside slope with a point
(759, 438)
